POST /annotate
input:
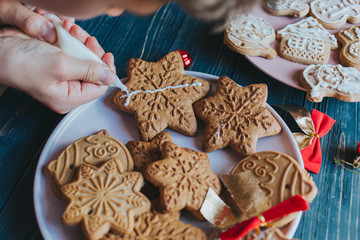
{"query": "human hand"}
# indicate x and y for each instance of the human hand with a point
(51, 76)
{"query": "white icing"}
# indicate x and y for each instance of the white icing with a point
(250, 28)
(310, 29)
(354, 49)
(335, 11)
(75, 48)
(330, 77)
(129, 95)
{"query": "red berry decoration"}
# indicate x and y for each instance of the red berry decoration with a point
(185, 57)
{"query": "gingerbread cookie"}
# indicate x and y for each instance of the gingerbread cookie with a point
(94, 149)
(105, 198)
(333, 14)
(153, 225)
(350, 41)
(306, 42)
(184, 177)
(144, 153)
(250, 35)
(296, 8)
(236, 117)
(270, 233)
(161, 95)
(280, 177)
(337, 81)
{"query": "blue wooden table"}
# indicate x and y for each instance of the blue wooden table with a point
(25, 124)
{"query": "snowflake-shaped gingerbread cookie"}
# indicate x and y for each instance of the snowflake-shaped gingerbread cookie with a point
(161, 95)
(184, 177)
(157, 226)
(104, 198)
(331, 81)
(333, 14)
(236, 117)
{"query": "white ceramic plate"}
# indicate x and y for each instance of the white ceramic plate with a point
(100, 114)
(279, 68)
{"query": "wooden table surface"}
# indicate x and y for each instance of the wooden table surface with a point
(25, 124)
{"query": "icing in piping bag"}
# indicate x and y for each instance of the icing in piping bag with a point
(75, 48)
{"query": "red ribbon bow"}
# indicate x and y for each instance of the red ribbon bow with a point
(311, 155)
(291, 205)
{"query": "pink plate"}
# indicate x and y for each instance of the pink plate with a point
(279, 68)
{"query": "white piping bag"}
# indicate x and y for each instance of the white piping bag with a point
(75, 48)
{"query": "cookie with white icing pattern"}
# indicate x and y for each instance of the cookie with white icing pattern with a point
(280, 177)
(161, 95)
(296, 8)
(350, 51)
(306, 42)
(250, 35)
(333, 14)
(336, 81)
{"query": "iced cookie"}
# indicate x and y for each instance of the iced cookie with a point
(236, 117)
(94, 149)
(184, 177)
(280, 177)
(250, 35)
(144, 153)
(161, 95)
(157, 226)
(350, 51)
(336, 81)
(333, 14)
(105, 198)
(306, 42)
(296, 8)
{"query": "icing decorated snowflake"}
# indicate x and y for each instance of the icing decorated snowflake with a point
(104, 199)
(161, 95)
(236, 116)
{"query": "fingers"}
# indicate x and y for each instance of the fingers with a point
(33, 24)
(70, 68)
(108, 58)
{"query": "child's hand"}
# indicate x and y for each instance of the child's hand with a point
(51, 76)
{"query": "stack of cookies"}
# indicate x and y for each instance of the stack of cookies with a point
(102, 180)
(307, 42)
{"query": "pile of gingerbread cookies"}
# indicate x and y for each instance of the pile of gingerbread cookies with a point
(307, 42)
(137, 190)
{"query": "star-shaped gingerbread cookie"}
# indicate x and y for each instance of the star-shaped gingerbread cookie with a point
(161, 95)
(184, 177)
(153, 225)
(236, 117)
(144, 153)
(104, 198)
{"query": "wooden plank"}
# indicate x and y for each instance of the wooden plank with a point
(17, 218)
(148, 38)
